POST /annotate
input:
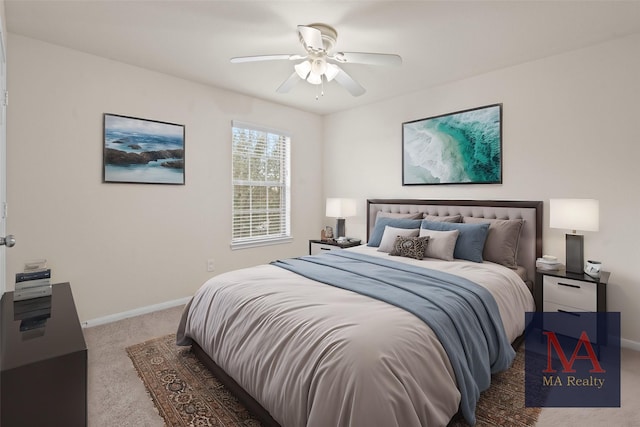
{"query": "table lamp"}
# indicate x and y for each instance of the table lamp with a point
(340, 209)
(574, 214)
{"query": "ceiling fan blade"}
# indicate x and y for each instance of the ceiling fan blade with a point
(312, 38)
(239, 59)
(288, 84)
(346, 81)
(367, 58)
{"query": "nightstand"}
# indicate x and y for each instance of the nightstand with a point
(572, 294)
(562, 291)
(44, 370)
(319, 246)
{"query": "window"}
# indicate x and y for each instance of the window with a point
(260, 167)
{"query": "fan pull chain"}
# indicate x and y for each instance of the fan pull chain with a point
(321, 87)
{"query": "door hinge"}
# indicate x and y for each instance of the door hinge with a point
(6, 98)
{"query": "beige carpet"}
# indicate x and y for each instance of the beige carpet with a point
(117, 397)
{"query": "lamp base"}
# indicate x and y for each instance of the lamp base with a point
(340, 227)
(575, 253)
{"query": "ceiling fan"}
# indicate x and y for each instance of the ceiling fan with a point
(319, 65)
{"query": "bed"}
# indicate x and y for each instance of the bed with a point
(360, 337)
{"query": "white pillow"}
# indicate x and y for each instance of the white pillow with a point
(441, 243)
(390, 234)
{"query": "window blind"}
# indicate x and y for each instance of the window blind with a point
(260, 167)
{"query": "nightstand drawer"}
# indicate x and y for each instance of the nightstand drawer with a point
(573, 320)
(317, 248)
(576, 294)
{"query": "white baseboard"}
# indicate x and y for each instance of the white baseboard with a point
(633, 345)
(135, 312)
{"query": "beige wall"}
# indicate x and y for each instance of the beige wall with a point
(125, 246)
(570, 130)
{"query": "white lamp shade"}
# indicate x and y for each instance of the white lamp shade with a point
(574, 214)
(303, 69)
(332, 71)
(319, 66)
(314, 79)
(341, 208)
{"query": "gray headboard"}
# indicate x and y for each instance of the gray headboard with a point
(530, 245)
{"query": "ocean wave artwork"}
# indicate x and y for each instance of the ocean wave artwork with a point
(143, 151)
(457, 148)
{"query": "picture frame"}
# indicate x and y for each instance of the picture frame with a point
(464, 147)
(328, 232)
(142, 151)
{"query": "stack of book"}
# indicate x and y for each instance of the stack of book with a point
(548, 263)
(33, 283)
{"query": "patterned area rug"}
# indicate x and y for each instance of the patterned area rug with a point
(187, 394)
(182, 389)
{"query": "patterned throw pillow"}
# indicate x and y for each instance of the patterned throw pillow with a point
(410, 247)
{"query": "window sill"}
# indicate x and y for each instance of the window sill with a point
(258, 243)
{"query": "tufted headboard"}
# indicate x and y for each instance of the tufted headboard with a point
(529, 246)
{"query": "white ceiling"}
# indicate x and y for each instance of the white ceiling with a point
(439, 41)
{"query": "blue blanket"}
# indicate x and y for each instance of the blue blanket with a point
(463, 315)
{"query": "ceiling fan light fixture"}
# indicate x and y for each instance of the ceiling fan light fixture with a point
(318, 40)
(303, 69)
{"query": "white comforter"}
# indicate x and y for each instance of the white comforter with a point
(316, 355)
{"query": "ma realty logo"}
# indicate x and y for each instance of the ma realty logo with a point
(572, 360)
(567, 364)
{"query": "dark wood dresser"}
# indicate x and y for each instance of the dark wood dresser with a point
(44, 362)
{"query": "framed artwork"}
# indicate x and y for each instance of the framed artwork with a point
(142, 151)
(464, 147)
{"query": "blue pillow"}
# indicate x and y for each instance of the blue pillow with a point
(381, 223)
(470, 243)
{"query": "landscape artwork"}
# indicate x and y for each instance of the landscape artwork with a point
(464, 147)
(142, 151)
